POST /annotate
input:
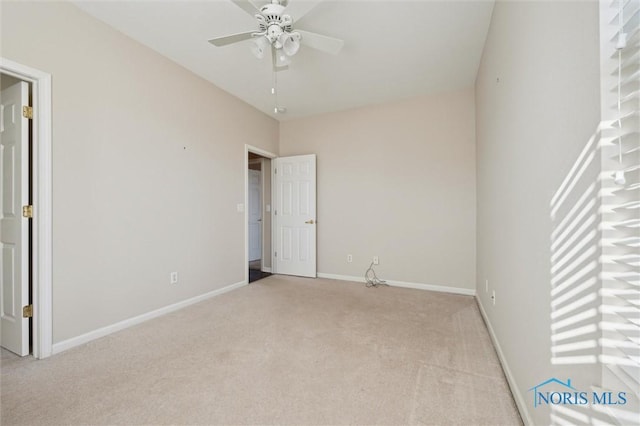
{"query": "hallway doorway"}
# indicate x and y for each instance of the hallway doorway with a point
(258, 216)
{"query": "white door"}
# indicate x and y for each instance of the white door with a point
(295, 215)
(14, 229)
(255, 216)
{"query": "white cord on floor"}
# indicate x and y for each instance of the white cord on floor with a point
(372, 279)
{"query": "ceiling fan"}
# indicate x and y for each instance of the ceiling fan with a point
(275, 30)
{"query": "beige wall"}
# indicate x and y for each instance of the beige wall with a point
(395, 181)
(537, 104)
(148, 167)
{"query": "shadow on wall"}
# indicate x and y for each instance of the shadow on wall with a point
(594, 285)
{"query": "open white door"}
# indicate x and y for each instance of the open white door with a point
(14, 229)
(295, 215)
(255, 216)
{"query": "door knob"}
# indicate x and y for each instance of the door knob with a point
(310, 222)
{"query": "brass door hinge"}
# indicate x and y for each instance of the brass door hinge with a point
(27, 211)
(27, 112)
(27, 311)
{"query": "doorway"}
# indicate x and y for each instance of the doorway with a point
(258, 214)
(288, 201)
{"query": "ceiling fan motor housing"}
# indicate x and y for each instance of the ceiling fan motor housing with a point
(272, 22)
(273, 32)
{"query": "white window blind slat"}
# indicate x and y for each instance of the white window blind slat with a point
(630, 158)
(620, 310)
(633, 96)
(629, 9)
(633, 242)
(632, 34)
(631, 74)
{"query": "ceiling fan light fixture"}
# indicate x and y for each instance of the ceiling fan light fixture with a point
(259, 47)
(282, 60)
(290, 43)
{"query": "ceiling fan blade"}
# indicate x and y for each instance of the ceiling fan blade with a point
(246, 5)
(299, 8)
(260, 3)
(321, 42)
(233, 38)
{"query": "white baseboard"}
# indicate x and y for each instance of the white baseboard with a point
(517, 396)
(404, 284)
(104, 331)
(265, 269)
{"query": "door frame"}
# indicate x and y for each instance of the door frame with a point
(271, 156)
(41, 272)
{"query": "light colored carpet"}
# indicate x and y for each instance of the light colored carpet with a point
(282, 351)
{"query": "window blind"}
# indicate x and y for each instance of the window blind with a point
(620, 190)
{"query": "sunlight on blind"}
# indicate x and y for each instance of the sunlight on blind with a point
(595, 240)
(620, 310)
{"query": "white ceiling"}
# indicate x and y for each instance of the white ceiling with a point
(393, 49)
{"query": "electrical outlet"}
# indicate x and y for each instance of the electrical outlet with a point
(349, 258)
(173, 278)
(376, 261)
(486, 286)
(493, 297)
